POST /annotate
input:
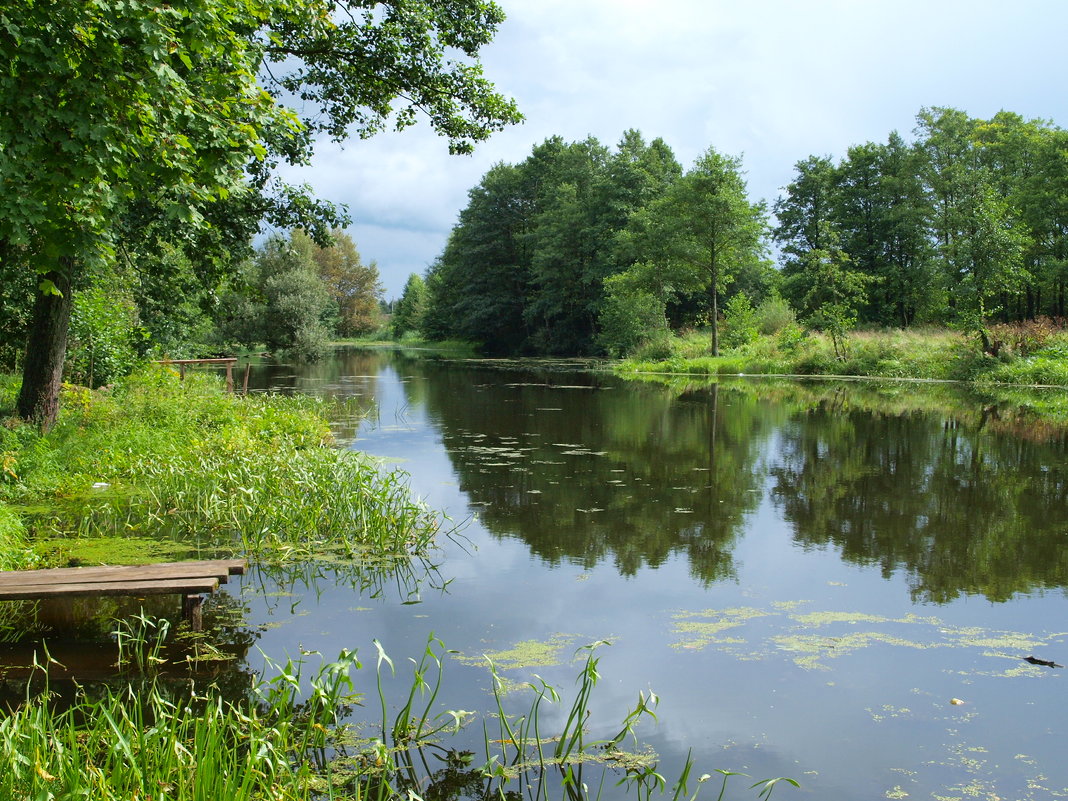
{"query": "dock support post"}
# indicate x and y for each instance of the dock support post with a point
(193, 611)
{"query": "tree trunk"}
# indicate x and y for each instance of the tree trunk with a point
(715, 312)
(42, 369)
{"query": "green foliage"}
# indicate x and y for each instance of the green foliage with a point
(774, 314)
(524, 268)
(411, 308)
(295, 298)
(104, 331)
(631, 316)
(832, 292)
(282, 302)
(117, 112)
(353, 285)
(703, 230)
(739, 322)
(16, 299)
(15, 553)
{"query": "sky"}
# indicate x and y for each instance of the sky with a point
(772, 81)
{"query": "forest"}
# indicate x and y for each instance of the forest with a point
(585, 249)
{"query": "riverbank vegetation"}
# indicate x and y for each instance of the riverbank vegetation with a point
(151, 740)
(1033, 353)
(184, 463)
(950, 246)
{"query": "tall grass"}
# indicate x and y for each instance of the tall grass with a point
(291, 740)
(929, 354)
(155, 456)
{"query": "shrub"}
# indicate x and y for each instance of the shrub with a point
(1023, 338)
(739, 322)
(103, 330)
(656, 349)
(791, 338)
(774, 314)
(631, 319)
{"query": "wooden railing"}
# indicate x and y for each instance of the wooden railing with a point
(228, 363)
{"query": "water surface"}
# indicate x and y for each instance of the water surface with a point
(807, 574)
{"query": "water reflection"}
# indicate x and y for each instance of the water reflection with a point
(961, 510)
(584, 469)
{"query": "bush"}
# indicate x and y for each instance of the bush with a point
(1024, 338)
(103, 330)
(632, 319)
(791, 338)
(739, 322)
(773, 315)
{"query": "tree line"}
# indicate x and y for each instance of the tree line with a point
(583, 249)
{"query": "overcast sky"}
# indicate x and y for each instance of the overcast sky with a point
(774, 81)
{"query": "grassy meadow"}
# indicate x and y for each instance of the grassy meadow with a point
(1034, 354)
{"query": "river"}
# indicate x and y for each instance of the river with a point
(832, 582)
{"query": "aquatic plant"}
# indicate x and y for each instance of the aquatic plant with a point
(158, 457)
(288, 740)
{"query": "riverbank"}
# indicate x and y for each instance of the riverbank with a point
(156, 468)
(1026, 355)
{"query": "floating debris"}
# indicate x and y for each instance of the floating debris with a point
(1036, 661)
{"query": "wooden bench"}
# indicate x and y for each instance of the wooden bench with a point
(191, 580)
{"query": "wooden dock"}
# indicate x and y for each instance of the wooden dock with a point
(191, 580)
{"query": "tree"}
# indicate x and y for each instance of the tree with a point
(808, 203)
(988, 259)
(408, 314)
(882, 212)
(108, 104)
(833, 292)
(353, 285)
(478, 287)
(705, 229)
(295, 299)
(524, 268)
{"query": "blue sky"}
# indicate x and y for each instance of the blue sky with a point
(771, 80)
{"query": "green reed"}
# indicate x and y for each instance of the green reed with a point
(186, 462)
(288, 740)
(140, 640)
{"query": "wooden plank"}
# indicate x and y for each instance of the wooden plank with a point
(231, 565)
(221, 568)
(154, 587)
(100, 577)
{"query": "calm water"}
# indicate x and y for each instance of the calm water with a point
(806, 574)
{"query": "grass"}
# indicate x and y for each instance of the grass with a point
(183, 462)
(927, 354)
(382, 339)
(291, 738)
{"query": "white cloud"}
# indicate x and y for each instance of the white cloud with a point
(777, 80)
